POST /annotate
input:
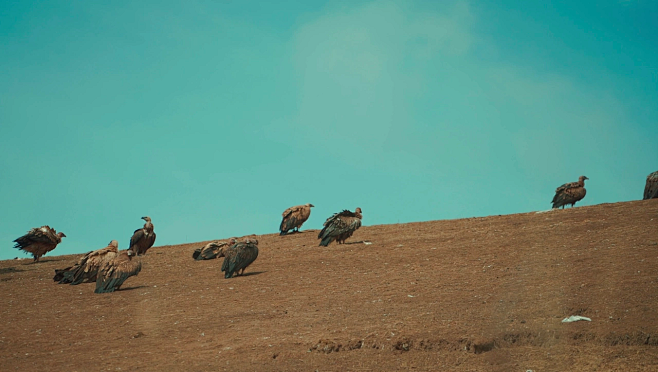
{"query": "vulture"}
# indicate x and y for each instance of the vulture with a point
(39, 241)
(340, 226)
(143, 238)
(294, 217)
(87, 267)
(569, 193)
(212, 250)
(239, 257)
(114, 272)
(651, 189)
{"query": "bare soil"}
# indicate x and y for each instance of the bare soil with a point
(476, 294)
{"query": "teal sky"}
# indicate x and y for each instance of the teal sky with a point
(212, 117)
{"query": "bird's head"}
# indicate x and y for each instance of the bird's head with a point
(583, 178)
(114, 244)
(146, 218)
(310, 205)
(61, 235)
(358, 210)
(130, 253)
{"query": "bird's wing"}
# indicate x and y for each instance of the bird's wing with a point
(115, 272)
(137, 236)
(209, 251)
(40, 235)
(245, 257)
(229, 257)
(291, 210)
(567, 186)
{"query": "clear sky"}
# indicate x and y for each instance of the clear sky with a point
(212, 117)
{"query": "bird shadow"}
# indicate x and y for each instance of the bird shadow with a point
(252, 273)
(359, 242)
(298, 232)
(43, 260)
(8, 270)
(131, 288)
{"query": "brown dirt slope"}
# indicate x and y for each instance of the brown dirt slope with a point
(477, 294)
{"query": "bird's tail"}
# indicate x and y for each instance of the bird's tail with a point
(196, 253)
(288, 225)
(63, 276)
(325, 242)
(557, 201)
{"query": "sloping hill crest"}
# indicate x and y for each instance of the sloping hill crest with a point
(483, 293)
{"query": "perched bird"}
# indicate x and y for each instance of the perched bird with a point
(39, 241)
(340, 226)
(651, 189)
(143, 238)
(88, 265)
(113, 273)
(239, 257)
(294, 217)
(212, 250)
(569, 193)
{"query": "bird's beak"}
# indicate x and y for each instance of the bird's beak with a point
(144, 218)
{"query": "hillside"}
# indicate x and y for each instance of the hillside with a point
(477, 294)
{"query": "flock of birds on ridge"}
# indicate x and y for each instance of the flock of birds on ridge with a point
(110, 268)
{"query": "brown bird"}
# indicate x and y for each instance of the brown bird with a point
(569, 193)
(39, 241)
(88, 265)
(294, 218)
(239, 257)
(340, 226)
(212, 250)
(651, 189)
(113, 273)
(143, 238)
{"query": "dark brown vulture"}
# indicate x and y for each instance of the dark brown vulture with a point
(143, 238)
(651, 189)
(340, 226)
(239, 257)
(569, 193)
(39, 241)
(88, 265)
(212, 250)
(113, 273)
(294, 218)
